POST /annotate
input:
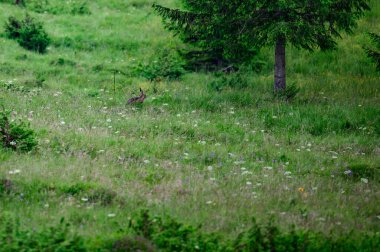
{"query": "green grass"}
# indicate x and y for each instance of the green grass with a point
(190, 152)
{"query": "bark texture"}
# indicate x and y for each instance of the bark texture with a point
(279, 68)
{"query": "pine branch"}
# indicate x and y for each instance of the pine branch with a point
(375, 39)
(182, 18)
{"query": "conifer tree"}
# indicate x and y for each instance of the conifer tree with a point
(374, 52)
(236, 28)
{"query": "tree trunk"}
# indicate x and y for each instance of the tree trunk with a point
(279, 68)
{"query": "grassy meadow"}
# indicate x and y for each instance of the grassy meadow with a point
(199, 155)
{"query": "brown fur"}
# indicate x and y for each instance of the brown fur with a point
(138, 99)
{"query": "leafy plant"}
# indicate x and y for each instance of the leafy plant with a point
(287, 94)
(164, 65)
(16, 135)
(28, 32)
(59, 238)
(72, 7)
(374, 52)
(171, 235)
(236, 80)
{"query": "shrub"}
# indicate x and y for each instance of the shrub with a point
(171, 235)
(14, 238)
(236, 80)
(72, 7)
(374, 52)
(16, 135)
(359, 171)
(132, 244)
(165, 65)
(29, 33)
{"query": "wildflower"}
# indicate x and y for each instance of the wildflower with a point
(109, 120)
(84, 199)
(146, 161)
(13, 143)
(364, 180)
(348, 172)
(111, 215)
(209, 202)
(63, 123)
(248, 183)
(287, 173)
(14, 171)
(268, 167)
(210, 168)
(301, 189)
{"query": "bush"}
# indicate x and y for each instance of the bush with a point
(13, 238)
(165, 65)
(373, 52)
(132, 244)
(171, 235)
(236, 80)
(72, 7)
(29, 33)
(16, 135)
(359, 171)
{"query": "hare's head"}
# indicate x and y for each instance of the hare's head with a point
(142, 95)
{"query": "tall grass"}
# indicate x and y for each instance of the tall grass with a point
(204, 157)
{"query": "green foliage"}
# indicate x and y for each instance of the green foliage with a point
(374, 52)
(171, 235)
(132, 244)
(236, 27)
(359, 171)
(59, 238)
(166, 64)
(29, 33)
(234, 31)
(237, 80)
(16, 135)
(73, 7)
(288, 94)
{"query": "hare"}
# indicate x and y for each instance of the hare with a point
(138, 99)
